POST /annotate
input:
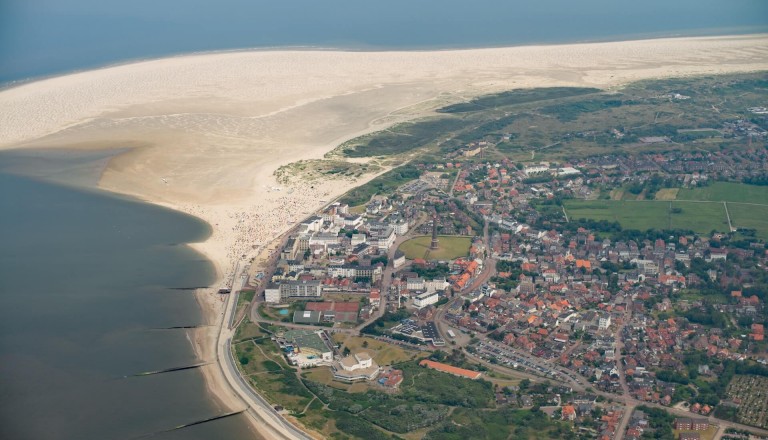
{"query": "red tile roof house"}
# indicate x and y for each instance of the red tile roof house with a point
(569, 413)
(450, 369)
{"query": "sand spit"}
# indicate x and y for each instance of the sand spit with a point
(206, 132)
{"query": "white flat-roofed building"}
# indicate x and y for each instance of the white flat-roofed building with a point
(415, 283)
(307, 348)
(357, 367)
(567, 171)
(272, 294)
(323, 239)
(358, 239)
(536, 169)
(353, 221)
(344, 271)
(384, 238)
(313, 223)
(425, 299)
(400, 226)
(399, 259)
(311, 288)
(436, 285)
(604, 322)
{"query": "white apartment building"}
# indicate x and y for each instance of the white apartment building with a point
(425, 299)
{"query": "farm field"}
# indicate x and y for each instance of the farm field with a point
(451, 247)
(667, 194)
(642, 215)
(727, 192)
(699, 217)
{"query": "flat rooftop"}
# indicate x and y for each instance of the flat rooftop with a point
(307, 339)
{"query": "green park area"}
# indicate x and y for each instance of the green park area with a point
(450, 247)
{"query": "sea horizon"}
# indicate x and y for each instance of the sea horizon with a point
(693, 33)
(44, 38)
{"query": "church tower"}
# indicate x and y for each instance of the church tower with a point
(434, 244)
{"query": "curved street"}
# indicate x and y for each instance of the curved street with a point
(272, 424)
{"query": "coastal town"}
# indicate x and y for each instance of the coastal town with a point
(384, 220)
(477, 268)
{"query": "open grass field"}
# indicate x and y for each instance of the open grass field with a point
(451, 247)
(382, 352)
(324, 376)
(744, 203)
(750, 217)
(727, 192)
(667, 194)
(699, 217)
(642, 215)
(631, 215)
(626, 195)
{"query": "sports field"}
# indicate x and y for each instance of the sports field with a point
(451, 247)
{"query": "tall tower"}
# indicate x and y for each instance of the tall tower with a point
(434, 245)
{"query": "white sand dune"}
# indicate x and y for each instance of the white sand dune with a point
(209, 130)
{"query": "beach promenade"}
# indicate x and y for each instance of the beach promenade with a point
(272, 424)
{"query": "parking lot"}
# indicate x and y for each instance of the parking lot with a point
(510, 358)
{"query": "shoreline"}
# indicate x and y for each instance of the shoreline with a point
(715, 32)
(206, 132)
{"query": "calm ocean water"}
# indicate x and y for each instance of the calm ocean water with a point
(45, 37)
(85, 282)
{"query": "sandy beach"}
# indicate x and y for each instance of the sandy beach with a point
(205, 133)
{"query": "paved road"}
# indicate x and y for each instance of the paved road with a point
(386, 276)
(272, 424)
(619, 346)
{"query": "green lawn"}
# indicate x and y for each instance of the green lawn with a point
(642, 215)
(699, 217)
(451, 247)
(728, 192)
(631, 215)
(750, 217)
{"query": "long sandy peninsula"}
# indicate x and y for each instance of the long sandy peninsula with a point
(205, 133)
